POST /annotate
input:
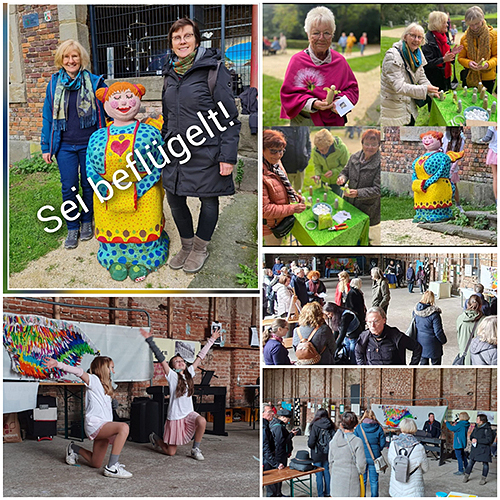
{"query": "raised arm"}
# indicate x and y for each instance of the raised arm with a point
(156, 350)
(201, 355)
(51, 363)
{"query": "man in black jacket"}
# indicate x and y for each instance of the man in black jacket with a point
(432, 426)
(269, 450)
(384, 345)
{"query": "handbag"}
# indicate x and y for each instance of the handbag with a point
(380, 463)
(412, 330)
(284, 227)
(460, 358)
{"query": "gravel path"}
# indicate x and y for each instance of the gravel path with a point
(79, 269)
(405, 232)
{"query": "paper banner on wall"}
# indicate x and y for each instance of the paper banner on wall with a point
(489, 277)
(188, 349)
(29, 339)
(491, 415)
(391, 415)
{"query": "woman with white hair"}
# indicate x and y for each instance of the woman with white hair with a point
(437, 51)
(403, 79)
(407, 443)
(303, 96)
(483, 348)
(479, 51)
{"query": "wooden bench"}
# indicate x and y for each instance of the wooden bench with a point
(302, 481)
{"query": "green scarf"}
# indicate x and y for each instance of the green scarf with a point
(182, 66)
(86, 105)
(414, 59)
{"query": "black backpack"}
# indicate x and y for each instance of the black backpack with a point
(323, 443)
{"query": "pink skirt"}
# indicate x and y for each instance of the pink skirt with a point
(491, 157)
(179, 432)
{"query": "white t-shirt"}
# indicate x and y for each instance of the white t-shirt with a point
(98, 409)
(178, 407)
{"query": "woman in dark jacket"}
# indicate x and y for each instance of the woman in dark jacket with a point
(299, 286)
(345, 327)
(275, 353)
(315, 287)
(321, 433)
(459, 430)
(355, 301)
(197, 85)
(310, 318)
(376, 440)
(437, 52)
(429, 325)
(482, 438)
(71, 114)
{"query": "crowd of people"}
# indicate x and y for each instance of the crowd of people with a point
(346, 331)
(350, 451)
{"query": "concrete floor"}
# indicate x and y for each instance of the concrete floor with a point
(400, 309)
(38, 469)
(438, 478)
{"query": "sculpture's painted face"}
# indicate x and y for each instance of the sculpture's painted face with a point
(122, 105)
(431, 143)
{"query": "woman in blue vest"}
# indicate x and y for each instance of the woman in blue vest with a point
(71, 114)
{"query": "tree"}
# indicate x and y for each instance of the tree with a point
(286, 18)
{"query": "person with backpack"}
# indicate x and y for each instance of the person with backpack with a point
(371, 433)
(459, 430)
(321, 433)
(408, 461)
(346, 457)
(482, 437)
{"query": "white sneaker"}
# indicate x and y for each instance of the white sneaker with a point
(71, 456)
(196, 454)
(117, 470)
(152, 440)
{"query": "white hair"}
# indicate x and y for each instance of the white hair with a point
(319, 15)
(408, 426)
(412, 26)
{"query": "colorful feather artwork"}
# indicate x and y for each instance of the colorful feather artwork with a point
(393, 416)
(30, 339)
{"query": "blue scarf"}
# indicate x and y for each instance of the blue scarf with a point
(86, 105)
(414, 59)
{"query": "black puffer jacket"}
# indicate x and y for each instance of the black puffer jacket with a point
(183, 98)
(485, 438)
(322, 425)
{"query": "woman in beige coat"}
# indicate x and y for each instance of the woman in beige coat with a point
(403, 79)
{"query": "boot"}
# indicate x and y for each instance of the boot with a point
(482, 480)
(197, 257)
(466, 478)
(178, 260)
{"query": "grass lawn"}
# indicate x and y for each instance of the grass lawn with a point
(365, 63)
(271, 102)
(27, 194)
(396, 207)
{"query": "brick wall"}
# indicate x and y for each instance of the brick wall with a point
(38, 47)
(180, 318)
(398, 156)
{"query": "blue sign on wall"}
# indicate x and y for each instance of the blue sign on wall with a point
(31, 20)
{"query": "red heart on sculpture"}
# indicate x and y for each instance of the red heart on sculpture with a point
(120, 147)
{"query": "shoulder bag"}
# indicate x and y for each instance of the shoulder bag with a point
(412, 330)
(380, 463)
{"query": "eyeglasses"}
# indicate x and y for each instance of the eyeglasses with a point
(317, 35)
(374, 322)
(187, 37)
(415, 37)
(277, 151)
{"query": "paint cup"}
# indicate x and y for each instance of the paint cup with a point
(441, 494)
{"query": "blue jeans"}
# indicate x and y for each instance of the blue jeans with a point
(351, 345)
(323, 479)
(370, 470)
(486, 468)
(69, 158)
(410, 287)
(461, 459)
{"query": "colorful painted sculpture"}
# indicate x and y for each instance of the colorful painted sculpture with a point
(129, 222)
(431, 184)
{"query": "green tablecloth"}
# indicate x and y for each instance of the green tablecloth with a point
(356, 233)
(442, 112)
